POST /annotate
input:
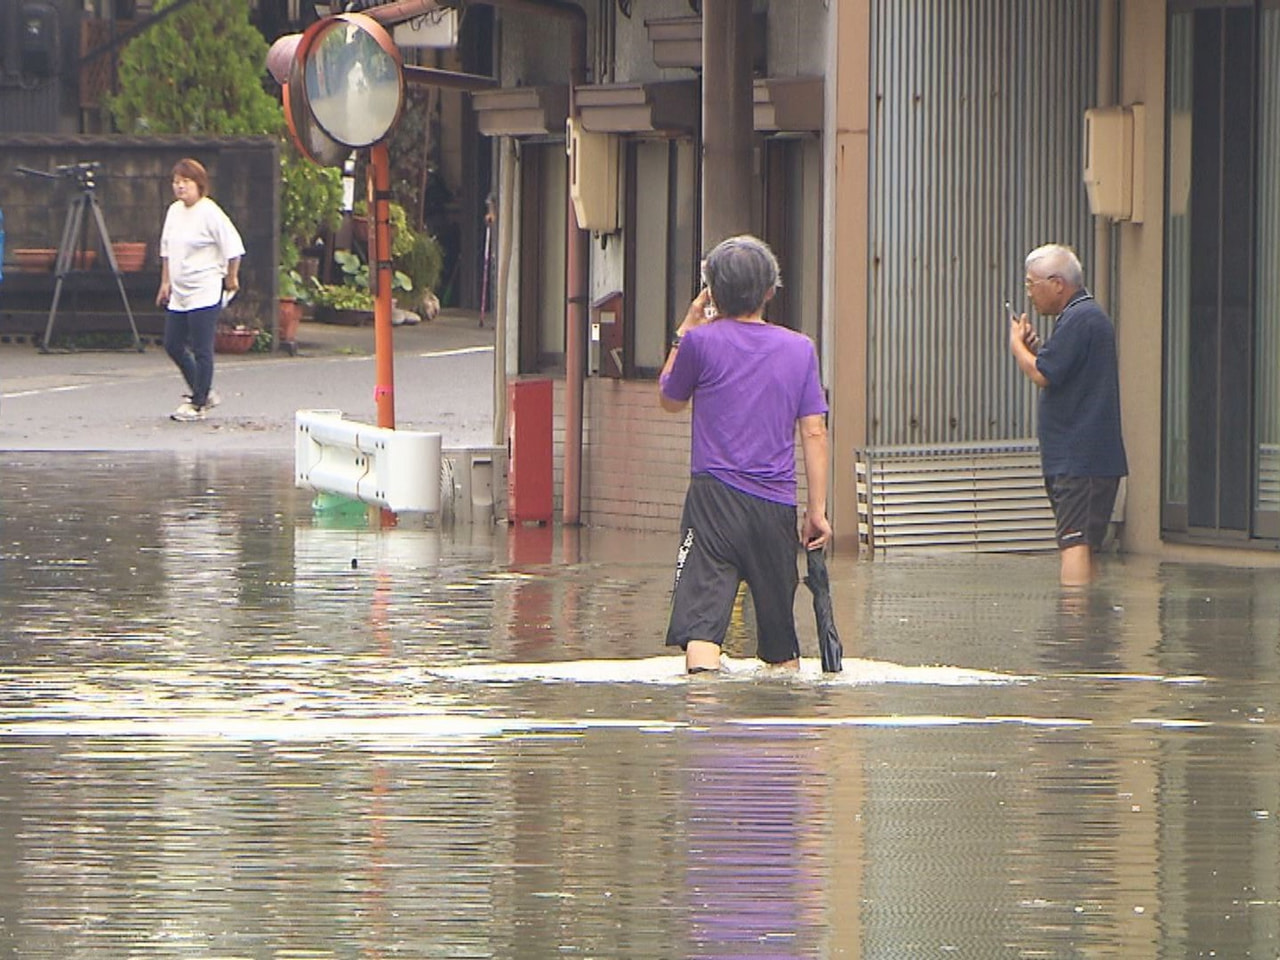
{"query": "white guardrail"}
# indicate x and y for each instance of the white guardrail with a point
(395, 469)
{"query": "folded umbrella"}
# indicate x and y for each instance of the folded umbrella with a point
(819, 583)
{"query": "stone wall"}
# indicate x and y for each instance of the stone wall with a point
(133, 190)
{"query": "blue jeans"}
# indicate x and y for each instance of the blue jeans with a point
(188, 339)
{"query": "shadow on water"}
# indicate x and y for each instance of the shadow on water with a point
(235, 725)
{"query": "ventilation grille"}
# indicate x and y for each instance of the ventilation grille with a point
(1268, 477)
(980, 498)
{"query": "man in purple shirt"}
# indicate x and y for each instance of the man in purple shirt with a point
(751, 383)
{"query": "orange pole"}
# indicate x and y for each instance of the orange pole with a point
(380, 274)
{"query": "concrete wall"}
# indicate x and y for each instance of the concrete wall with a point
(1138, 301)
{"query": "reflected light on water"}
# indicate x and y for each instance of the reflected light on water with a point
(233, 724)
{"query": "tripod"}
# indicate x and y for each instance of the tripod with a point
(72, 243)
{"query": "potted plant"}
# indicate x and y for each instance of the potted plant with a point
(293, 293)
(342, 303)
(238, 328)
(415, 254)
(234, 338)
(351, 301)
(310, 198)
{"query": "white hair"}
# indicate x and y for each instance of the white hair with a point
(1055, 260)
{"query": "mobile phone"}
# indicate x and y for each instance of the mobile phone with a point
(709, 311)
(1008, 308)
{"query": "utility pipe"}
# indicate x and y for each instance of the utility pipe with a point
(384, 394)
(447, 79)
(389, 14)
(1108, 29)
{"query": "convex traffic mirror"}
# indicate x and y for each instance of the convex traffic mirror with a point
(345, 87)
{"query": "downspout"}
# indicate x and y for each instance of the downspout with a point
(506, 209)
(1108, 29)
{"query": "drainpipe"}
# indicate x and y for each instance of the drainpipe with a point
(575, 352)
(1108, 29)
(727, 125)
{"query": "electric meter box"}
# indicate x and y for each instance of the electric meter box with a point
(1113, 161)
(593, 177)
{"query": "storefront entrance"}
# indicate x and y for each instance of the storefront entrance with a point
(1222, 273)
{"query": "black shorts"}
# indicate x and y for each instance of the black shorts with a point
(1082, 509)
(728, 536)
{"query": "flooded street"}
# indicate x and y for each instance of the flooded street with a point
(232, 725)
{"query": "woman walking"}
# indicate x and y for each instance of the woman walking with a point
(200, 251)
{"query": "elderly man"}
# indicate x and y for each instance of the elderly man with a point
(751, 384)
(1081, 448)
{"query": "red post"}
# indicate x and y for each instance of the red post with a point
(529, 444)
(380, 277)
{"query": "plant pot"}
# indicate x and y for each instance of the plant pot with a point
(35, 259)
(234, 339)
(130, 255)
(345, 318)
(288, 317)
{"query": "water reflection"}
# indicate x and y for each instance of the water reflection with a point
(755, 833)
(233, 725)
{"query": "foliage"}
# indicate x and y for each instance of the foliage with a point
(415, 254)
(401, 233)
(341, 296)
(196, 71)
(356, 273)
(424, 263)
(310, 203)
(291, 286)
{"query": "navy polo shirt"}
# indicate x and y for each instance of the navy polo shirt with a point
(1080, 408)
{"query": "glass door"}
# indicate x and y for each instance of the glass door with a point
(1211, 350)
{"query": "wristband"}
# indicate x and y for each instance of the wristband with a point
(675, 341)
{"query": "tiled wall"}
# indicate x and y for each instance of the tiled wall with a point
(635, 467)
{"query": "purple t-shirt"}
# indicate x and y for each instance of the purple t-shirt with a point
(750, 383)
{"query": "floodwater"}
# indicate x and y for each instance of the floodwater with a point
(233, 725)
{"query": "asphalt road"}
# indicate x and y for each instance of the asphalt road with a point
(109, 401)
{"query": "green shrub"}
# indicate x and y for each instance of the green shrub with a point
(310, 203)
(196, 71)
(424, 263)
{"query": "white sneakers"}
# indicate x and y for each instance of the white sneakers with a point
(189, 412)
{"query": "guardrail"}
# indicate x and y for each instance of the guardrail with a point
(398, 470)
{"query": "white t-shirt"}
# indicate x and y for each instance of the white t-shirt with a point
(197, 241)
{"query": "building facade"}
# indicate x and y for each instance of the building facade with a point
(905, 156)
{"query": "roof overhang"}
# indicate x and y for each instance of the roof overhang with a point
(522, 111)
(666, 108)
(787, 104)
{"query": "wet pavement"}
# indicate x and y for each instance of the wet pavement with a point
(120, 400)
(237, 723)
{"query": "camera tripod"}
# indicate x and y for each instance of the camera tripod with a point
(72, 246)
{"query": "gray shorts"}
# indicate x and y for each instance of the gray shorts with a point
(726, 537)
